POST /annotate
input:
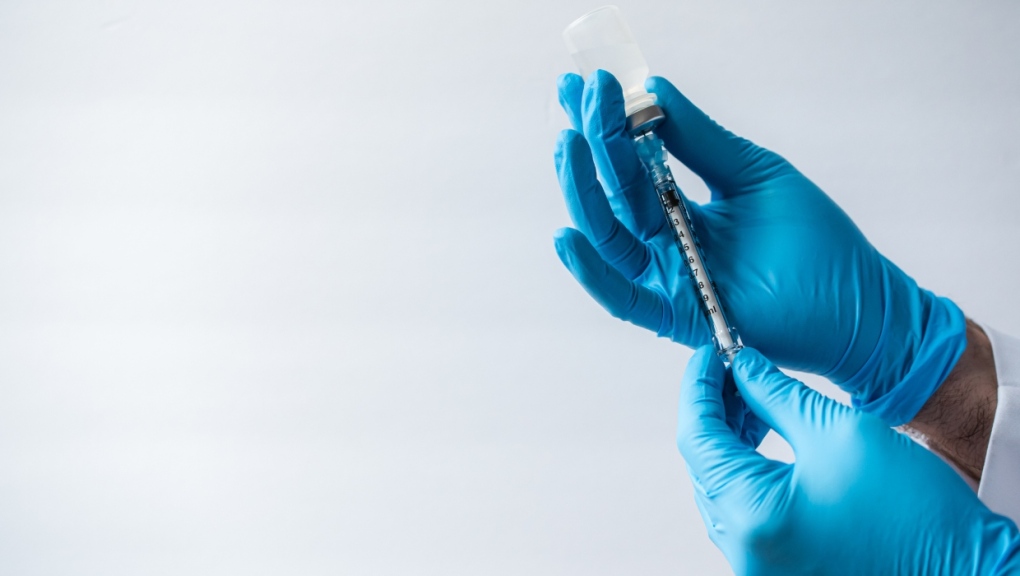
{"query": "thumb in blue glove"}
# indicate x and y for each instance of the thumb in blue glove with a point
(860, 498)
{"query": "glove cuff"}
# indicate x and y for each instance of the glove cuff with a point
(923, 336)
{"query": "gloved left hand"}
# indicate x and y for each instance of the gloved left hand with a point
(860, 498)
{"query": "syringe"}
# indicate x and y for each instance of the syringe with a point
(653, 155)
(602, 40)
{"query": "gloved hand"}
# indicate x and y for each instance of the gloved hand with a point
(797, 278)
(860, 498)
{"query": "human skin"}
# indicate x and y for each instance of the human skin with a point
(956, 422)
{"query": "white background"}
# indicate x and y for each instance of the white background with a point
(277, 286)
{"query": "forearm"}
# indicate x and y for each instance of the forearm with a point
(957, 420)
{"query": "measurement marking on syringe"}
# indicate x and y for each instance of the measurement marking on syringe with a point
(692, 258)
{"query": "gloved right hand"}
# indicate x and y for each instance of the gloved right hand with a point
(797, 278)
(860, 498)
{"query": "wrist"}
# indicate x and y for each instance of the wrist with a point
(956, 421)
(921, 340)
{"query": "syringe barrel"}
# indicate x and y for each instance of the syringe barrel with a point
(653, 156)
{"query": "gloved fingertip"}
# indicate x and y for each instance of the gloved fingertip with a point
(561, 250)
(585, 264)
(749, 363)
(564, 141)
(569, 136)
(559, 160)
(704, 354)
(705, 368)
(603, 79)
(602, 108)
(601, 86)
(660, 85)
(567, 81)
(565, 240)
(561, 141)
(560, 239)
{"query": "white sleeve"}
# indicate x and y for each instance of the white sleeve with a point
(1000, 479)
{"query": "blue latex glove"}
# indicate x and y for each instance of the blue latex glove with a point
(797, 278)
(860, 498)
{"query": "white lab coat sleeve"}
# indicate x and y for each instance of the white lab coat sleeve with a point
(1000, 479)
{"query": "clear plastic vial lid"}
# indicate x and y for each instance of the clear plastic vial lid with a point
(601, 39)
